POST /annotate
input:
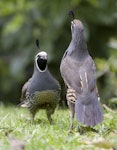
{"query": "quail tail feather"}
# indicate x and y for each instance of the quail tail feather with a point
(89, 114)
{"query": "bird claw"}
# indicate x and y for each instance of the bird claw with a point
(71, 95)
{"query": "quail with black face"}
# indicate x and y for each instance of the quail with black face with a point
(42, 90)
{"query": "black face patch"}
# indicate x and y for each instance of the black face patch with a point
(42, 63)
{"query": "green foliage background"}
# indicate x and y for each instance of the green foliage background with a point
(21, 22)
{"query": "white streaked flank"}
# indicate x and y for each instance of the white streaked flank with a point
(86, 79)
(81, 81)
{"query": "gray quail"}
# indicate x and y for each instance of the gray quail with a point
(79, 74)
(42, 90)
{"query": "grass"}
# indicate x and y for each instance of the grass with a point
(42, 136)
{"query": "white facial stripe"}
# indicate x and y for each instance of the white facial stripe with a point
(43, 54)
(39, 69)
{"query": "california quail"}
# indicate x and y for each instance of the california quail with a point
(42, 90)
(78, 71)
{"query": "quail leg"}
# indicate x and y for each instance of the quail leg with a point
(71, 98)
(32, 114)
(49, 112)
(72, 113)
(32, 118)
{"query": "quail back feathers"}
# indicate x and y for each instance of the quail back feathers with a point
(42, 90)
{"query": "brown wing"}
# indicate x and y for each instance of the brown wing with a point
(89, 75)
(79, 76)
(70, 73)
(24, 89)
(92, 79)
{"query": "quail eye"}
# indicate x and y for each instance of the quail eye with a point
(72, 28)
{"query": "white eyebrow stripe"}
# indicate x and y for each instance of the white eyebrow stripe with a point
(42, 53)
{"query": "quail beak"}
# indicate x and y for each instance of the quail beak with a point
(72, 23)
